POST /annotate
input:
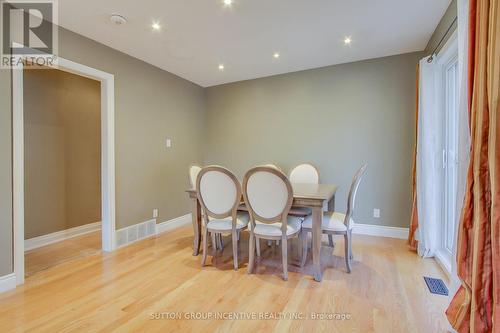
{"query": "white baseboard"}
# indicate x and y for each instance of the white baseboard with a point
(380, 231)
(36, 242)
(7, 282)
(173, 223)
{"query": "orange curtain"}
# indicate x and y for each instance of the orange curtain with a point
(414, 214)
(476, 305)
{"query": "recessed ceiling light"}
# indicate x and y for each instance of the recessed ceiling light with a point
(221, 67)
(347, 40)
(276, 55)
(118, 19)
(156, 26)
(228, 2)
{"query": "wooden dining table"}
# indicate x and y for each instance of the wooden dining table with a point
(311, 196)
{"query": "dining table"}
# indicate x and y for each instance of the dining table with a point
(312, 196)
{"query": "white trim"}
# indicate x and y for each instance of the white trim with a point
(380, 231)
(173, 223)
(7, 282)
(36, 242)
(107, 156)
(444, 261)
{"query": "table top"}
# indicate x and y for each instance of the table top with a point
(307, 191)
(314, 191)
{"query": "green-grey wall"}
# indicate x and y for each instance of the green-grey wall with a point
(444, 24)
(5, 173)
(150, 106)
(336, 117)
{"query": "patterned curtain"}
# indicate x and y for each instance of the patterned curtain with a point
(414, 213)
(476, 305)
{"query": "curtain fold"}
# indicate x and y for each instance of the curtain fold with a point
(412, 241)
(476, 305)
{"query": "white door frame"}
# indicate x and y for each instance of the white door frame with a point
(107, 156)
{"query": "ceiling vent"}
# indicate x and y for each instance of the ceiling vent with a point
(118, 19)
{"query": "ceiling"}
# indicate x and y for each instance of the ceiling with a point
(198, 35)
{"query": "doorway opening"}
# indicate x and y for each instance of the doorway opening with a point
(107, 162)
(62, 167)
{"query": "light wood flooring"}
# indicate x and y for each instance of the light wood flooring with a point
(156, 285)
(55, 254)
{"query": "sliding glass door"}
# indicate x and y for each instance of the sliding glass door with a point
(450, 160)
(448, 92)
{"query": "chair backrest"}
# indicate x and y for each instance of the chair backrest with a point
(272, 166)
(304, 173)
(193, 174)
(219, 192)
(268, 195)
(352, 193)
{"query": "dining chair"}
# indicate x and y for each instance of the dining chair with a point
(272, 165)
(268, 195)
(309, 174)
(304, 173)
(193, 174)
(335, 223)
(219, 194)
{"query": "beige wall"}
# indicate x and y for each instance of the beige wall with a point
(443, 25)
(62, 131)
(336, 117)
(150, 105)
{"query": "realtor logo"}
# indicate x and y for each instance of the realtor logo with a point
(29, 33)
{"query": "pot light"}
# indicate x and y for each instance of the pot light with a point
(276, 55)
(156, 26)
(228, 2)
(347, 40)
(221, 67)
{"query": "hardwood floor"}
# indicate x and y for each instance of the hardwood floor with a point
(156, 285)
(55, 254)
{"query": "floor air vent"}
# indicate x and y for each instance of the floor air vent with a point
(436, 286)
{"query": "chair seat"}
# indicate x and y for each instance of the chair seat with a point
(331, 222)
(274, 229)
(226, 224)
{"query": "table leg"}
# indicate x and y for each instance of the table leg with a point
(317, 215)
(196, 216)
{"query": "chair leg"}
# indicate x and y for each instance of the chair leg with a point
(251, 253)
(351, 256)
(257, 245)
(214, 245)
(221, 242)
(284, 253)
(330, 240)
(234, 238)
(303, 236)
(347, 241)
(205, 247)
